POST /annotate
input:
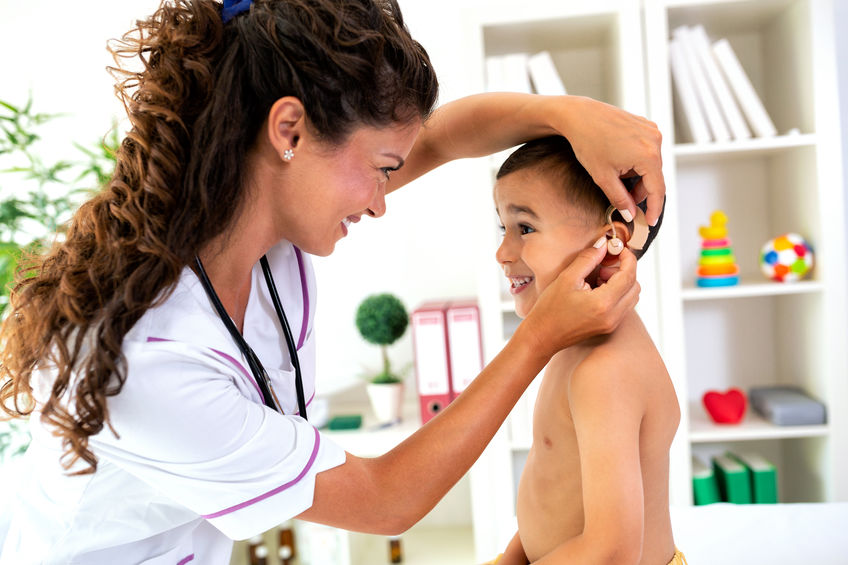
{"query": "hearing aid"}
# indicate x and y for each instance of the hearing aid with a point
(639, 231)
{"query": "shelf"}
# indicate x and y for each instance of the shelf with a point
(753, 427)
(371, 439)
(691, 153)
(727, 16)
(747, 290)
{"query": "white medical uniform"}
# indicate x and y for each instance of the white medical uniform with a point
(199, 459)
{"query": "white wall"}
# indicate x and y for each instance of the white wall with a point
(57, 51)
(841, 22)
(423, 248)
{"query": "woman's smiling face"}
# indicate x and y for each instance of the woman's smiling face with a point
(332, 187)
(542, 233)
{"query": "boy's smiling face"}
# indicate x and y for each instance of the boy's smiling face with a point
(542, 233)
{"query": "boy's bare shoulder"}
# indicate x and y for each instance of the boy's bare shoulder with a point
(625, 363)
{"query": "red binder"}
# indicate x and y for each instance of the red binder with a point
(465, 344)
(432, 362)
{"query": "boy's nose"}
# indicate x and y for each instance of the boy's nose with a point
(505, 252)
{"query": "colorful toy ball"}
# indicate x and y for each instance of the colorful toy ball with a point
(787, 258)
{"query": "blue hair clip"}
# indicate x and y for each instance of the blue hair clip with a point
(233, 8)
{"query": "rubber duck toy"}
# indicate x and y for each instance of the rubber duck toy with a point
(717, 228)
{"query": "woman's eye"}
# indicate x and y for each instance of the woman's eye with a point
(387, 171)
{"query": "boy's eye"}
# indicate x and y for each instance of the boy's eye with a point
(525, 229)
(501, 229)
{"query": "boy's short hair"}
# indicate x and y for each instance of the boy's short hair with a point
(554, 156)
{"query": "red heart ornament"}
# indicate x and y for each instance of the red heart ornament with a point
(725, 407)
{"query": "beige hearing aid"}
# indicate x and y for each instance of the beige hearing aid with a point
(638, 233)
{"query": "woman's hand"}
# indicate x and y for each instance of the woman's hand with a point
(612, 143)
(569, 310)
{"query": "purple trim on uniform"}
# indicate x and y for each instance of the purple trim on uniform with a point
(305, 289)
(229, 358)
(244, 372)
(186, 559)
(277, 490)
(150, 339)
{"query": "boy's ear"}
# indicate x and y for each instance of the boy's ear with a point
(622, 232)
(617, 235)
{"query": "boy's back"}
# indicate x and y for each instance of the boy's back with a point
(597, 472)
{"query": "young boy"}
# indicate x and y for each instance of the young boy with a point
(595, 485)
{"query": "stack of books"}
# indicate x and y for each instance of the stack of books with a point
(716, 99)
(520, 72)
(740, 478)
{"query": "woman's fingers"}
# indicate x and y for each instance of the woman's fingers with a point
(569, 310)
(583, 265)
(610, 143)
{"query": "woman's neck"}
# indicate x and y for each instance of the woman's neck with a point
(229, 259)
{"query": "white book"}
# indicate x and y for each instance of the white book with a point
(744, 91)
(516, 77)
(685, 89)
(495, 74)
(738, 128)
(715, 120)
(543, 73)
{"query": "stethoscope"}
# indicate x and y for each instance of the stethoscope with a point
(256, 368)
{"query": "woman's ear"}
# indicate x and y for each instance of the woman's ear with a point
(286, 126)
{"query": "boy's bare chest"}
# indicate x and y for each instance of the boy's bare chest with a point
(554, 437)
(550, 497)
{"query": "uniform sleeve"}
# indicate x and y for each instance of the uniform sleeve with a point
(186, 429)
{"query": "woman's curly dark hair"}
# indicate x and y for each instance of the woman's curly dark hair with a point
(196, 106)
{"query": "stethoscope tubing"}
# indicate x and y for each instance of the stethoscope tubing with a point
(284, 323)
(256, 367)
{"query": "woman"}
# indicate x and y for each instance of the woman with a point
(147, 344)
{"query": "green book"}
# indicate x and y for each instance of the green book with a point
(704, 485)
(763, 477)
(345, 422)
(734, 480)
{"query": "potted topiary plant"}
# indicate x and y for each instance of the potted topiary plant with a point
(382, 319)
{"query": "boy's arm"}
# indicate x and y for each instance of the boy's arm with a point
(514, 553)
(607, 409)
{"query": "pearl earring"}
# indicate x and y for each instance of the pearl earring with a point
(288, 154)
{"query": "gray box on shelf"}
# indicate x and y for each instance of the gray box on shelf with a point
(787, 406)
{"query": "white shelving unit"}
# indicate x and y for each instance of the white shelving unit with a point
(759, 332)
(756, 333)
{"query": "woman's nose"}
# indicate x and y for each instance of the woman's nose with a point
(378, 205)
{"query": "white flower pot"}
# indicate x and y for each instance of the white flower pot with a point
(386, 401)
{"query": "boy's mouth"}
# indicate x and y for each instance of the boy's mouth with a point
(517, 284)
